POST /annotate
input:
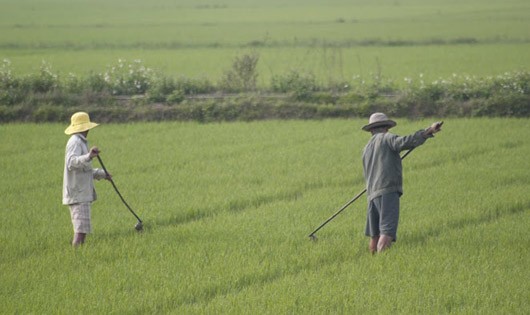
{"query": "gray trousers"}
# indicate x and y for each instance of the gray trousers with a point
(383, 216)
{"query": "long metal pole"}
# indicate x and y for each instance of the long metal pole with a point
(116, 188)
(312, 235)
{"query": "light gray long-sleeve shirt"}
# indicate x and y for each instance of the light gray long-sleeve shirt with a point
(382, 162)
(78, 178)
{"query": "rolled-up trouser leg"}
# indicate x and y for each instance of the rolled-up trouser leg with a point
(80, 214)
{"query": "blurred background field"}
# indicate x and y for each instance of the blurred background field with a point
(332, 39)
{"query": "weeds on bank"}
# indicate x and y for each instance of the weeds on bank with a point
(42, 96)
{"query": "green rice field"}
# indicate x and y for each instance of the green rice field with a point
(228, 207)
(335, 39)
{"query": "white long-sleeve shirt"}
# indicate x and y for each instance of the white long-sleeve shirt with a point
(78, 179)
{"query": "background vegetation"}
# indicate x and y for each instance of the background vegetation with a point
(319, 59)
(129, 91)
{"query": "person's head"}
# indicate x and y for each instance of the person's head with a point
(379, 122)
(80, 123)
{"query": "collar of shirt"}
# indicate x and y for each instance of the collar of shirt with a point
(82, 137)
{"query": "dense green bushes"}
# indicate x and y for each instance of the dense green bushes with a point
(129, 91)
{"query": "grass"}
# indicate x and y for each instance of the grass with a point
(336, 39)
(228, 207)
(327, 64)
(124, 22)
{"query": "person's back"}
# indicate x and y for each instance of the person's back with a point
(383, 175)
(382, 166)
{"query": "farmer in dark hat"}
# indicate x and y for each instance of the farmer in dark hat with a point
(78, 179)
(383, 175)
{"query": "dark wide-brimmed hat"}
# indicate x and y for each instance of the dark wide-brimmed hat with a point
(379, 120)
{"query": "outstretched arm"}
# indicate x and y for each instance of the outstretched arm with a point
(399, 144)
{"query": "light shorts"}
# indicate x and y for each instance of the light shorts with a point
(80, 214)
(383, 216)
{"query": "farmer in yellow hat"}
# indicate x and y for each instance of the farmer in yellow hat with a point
(383, 175)
(78, 180)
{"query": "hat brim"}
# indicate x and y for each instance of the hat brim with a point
(386, 123)
(80, 128)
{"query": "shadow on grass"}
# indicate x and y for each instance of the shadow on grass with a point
(260, 279)
(461, 223)
(257, 279)
(241, 205)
